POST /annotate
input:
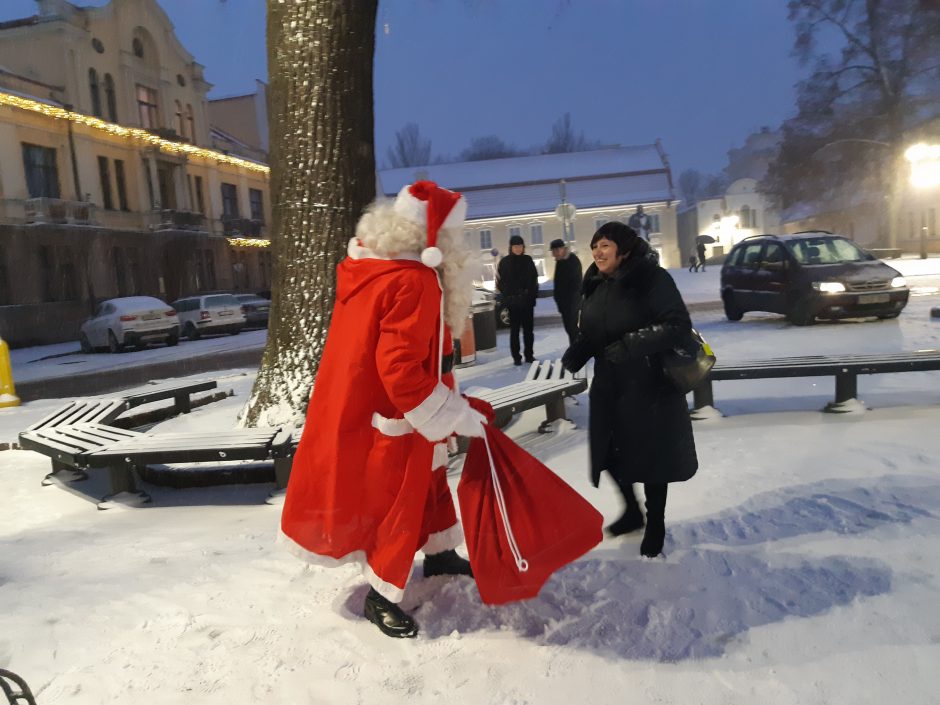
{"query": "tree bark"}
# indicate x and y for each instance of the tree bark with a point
(320, 54)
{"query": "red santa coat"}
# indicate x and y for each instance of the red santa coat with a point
(363, 485)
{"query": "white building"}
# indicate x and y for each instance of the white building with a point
(521, 195)
(740, 212)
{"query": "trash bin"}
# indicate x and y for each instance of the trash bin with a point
(484, 325)
(465, 350)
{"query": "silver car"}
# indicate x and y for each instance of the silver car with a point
(130, 320)
(209, 313)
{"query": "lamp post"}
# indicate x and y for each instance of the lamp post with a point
(565, 212)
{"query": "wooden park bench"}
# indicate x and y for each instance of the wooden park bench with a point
(845, 369)
(546, 384)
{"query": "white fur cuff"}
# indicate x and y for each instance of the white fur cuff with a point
(438, 415)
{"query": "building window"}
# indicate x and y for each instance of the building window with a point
(654, 223)
(137, 45)
(535, 234)
(5, 299)
(57, 274)
(95, 93)
(190, 120)
(205, 270)
(120, 271)
(264, 268)
(148, 107)
(515, 231)
(598, 222)
(110, 97)
(486, 240)
(229, 201)
(180, 122)
(256, 203)
(121, 184)
(200, 201)
(104, 176)
(745, 219)
(42, 176)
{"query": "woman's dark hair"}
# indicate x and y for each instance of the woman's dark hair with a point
(623, 236)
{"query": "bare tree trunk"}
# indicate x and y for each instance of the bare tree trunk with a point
(320, 54)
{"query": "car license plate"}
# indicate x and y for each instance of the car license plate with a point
(150, 316)
(263, 308)
(225, 313)
(873, 298)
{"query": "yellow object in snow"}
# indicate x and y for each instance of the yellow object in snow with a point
(7, 391)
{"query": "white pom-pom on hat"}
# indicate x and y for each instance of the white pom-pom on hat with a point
(432, 256)
(434, 207)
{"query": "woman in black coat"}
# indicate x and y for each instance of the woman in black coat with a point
(640, 431)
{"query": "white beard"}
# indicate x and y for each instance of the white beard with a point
(458, 271)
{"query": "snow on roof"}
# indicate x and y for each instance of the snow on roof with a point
(500, 187)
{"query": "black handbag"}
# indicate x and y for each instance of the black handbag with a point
(687, 367)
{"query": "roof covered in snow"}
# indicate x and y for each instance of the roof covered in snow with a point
(518, 185)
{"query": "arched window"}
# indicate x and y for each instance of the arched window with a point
(745, 217)
(180, 122)
(95, 94)
(191, 122)
(110, 97)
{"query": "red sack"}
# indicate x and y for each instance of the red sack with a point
(522, 522)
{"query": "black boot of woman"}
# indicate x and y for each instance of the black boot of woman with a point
(632, 517)
(655, 534)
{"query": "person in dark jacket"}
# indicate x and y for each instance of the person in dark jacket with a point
(567, 287)
(518, 282)
(639, 427)
(700, 248)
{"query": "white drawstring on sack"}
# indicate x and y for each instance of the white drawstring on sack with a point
(521, 563)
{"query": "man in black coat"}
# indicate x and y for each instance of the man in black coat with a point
(518, 281)
(567, 287)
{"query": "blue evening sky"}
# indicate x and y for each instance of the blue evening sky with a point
(699, 74)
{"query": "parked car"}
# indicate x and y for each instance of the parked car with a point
(255, 308)
(129, 320)
(809, 275)
(209, 313)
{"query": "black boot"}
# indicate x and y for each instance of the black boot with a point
(389, 617)
(632, 517)
(446, 563)
(655, 534)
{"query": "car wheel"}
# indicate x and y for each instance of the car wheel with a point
(85, 344)
(172, 340)
(113, 345)
(732, 310)
(886, 316)
(236, 331)
(191, 332)
(801, 314)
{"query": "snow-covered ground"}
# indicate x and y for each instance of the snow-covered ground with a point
(801, 564)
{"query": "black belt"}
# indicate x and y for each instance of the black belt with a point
(447, 364)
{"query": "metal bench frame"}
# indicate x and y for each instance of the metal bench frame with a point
(547, 383)
(845, 369)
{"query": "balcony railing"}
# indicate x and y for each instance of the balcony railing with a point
(242, 227)
(57, 210)
(181, 220)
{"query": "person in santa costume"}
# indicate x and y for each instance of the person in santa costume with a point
(368, 482)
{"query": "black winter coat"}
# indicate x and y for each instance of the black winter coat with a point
(517, 280)
(639, 424)
(567, 281)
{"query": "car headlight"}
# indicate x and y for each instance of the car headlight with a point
(829, 287)
(898, 282)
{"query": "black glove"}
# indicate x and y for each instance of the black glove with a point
(638, 343)
(576, 356)
(617, 353)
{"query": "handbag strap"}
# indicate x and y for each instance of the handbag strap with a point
(521, 563)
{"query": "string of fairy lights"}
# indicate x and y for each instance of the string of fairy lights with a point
(136, 134)
(129, 133)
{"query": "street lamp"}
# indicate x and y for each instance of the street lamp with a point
(925, 174)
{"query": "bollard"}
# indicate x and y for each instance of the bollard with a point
(7, 391)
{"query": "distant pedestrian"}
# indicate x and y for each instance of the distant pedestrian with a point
(567, 287)
(701, 256)
(693, 263)
(518, 282)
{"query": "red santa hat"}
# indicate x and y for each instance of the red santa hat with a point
(426, 203)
